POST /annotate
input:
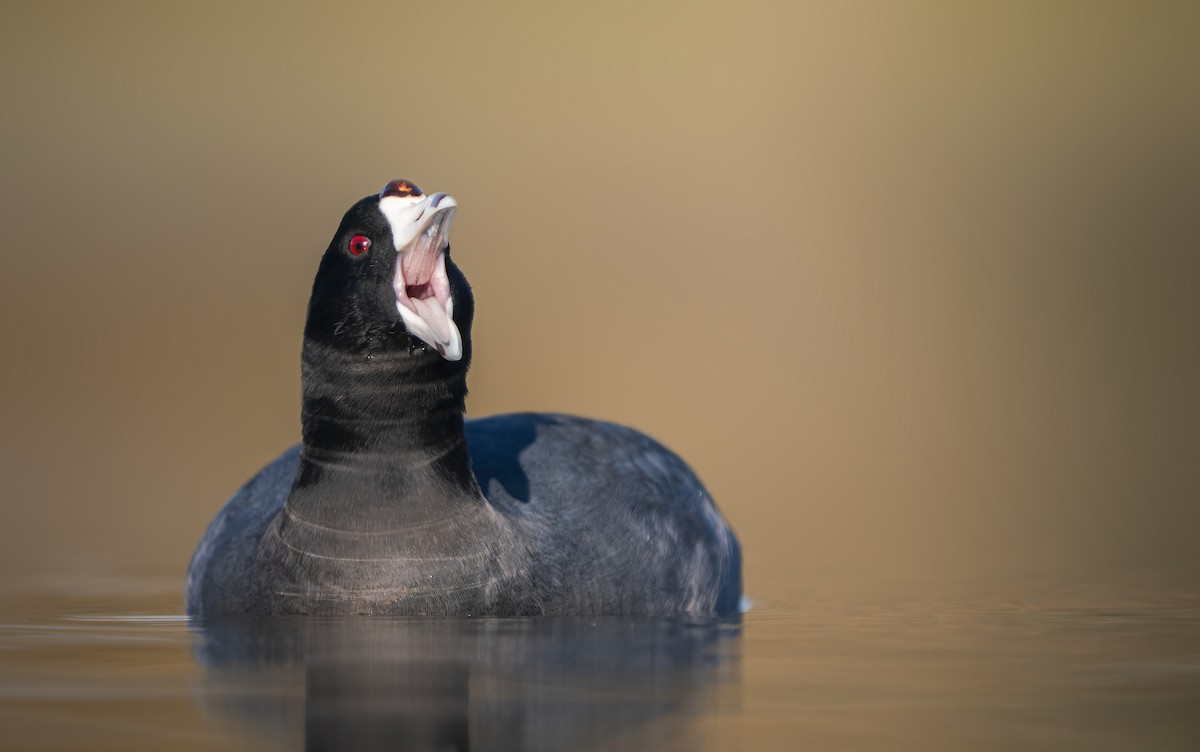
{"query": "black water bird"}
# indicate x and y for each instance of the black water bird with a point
(394, 504)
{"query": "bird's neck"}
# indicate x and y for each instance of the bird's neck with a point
(382, 438)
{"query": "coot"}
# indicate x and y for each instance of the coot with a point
(394, 504)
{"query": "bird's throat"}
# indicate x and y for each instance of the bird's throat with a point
(383, 439)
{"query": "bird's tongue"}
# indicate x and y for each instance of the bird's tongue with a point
(433, 312)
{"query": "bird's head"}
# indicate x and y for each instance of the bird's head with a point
(387, 280)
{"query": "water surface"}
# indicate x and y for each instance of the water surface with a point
(120, 672)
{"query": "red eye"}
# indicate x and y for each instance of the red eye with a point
(359, 244)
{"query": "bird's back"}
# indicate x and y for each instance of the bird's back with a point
(617, 522)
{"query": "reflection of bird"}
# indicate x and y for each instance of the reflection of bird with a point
(393, 505)
(483, 684)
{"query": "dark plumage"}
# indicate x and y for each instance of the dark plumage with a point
(393, 504)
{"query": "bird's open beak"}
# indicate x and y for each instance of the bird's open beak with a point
(421, 233)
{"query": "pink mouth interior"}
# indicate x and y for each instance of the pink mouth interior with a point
(419, 262)
(426, 288)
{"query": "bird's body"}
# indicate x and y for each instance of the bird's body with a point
(394, 504)
(647, 540)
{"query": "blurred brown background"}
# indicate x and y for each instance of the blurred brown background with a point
(913, 287)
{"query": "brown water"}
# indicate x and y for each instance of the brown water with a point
(911, 285)
(123, 672)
